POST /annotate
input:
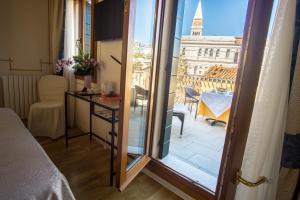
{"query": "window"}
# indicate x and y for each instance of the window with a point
(183, 51)
(218, 53)
(236, 56)
(84, 30)
(206, 52)
(195, 70)
(87, 29)
(227, 53)
(211, 53)
(199, 52)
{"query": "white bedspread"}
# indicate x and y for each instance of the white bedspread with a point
(26, 172)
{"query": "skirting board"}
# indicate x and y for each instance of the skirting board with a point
(167, 185)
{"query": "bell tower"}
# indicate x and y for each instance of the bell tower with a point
(197, 26)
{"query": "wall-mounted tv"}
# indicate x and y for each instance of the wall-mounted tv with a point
(109, 19)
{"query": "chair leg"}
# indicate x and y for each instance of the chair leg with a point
(196, 111)
(134, 105)
(182, 123)
(142, 111)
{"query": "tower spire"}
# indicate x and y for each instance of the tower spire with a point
(197, 26)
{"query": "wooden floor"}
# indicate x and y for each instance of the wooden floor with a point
(86, 165)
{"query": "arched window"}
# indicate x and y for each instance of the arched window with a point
(183, 51)
(211, 53)
(199, 52)
(236, 56)
(227, 53)
(218, 53)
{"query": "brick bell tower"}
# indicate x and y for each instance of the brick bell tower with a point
(197, 26)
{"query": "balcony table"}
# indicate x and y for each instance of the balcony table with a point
(215, 107)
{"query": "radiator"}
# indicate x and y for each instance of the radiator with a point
(19, 92)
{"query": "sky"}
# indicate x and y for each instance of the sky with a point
(144, 21)
(220, 18)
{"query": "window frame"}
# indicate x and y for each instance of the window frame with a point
(81, 30)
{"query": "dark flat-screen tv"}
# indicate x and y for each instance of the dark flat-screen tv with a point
(109, 19)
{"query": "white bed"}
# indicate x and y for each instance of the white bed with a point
(26, 172)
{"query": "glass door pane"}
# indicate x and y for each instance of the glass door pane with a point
(200, 88)
(141, 68)
(138, 48)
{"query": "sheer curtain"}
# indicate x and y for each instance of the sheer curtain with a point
(69, 51)
(264, 144)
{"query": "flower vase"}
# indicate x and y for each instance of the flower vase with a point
(87, 83)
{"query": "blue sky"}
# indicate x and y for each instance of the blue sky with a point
(220, 17)
(144, 21)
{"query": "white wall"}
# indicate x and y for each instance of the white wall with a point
(24, 36)
(110, 71)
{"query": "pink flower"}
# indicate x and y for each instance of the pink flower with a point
(62, 63)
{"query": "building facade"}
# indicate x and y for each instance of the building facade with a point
(201, 52)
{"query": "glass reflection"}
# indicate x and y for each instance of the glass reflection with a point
(140, 78)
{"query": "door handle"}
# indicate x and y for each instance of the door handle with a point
(260, 180)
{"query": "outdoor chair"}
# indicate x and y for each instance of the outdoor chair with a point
(192, 97)
(140, 94)
(179, 112)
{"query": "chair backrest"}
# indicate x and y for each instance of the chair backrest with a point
(190, 92)
(52, 88)
(141, 91)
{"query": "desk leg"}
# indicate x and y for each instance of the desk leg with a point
(112, 153)
(66, 119)
(91, 125)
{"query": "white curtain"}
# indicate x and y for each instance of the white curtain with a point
(69, 52)
(264, 144)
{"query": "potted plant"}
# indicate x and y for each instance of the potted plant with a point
(83, 66)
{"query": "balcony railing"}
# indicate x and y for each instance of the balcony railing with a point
(200, 84)
(197, 82)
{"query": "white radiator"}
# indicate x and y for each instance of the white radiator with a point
(19, 92)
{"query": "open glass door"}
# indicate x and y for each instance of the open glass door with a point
(139, 29)
(137, 115)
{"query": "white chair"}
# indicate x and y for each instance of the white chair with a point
(46, 118)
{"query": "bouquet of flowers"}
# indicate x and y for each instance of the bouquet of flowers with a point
(63, 63)
(84, 63)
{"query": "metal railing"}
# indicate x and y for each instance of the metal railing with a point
(197, 82)
(200, 84)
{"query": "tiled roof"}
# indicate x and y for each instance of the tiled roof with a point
(220, 72)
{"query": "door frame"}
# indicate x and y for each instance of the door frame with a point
(252, 52)
(254, 40)
(253, 48)
(124, 175)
